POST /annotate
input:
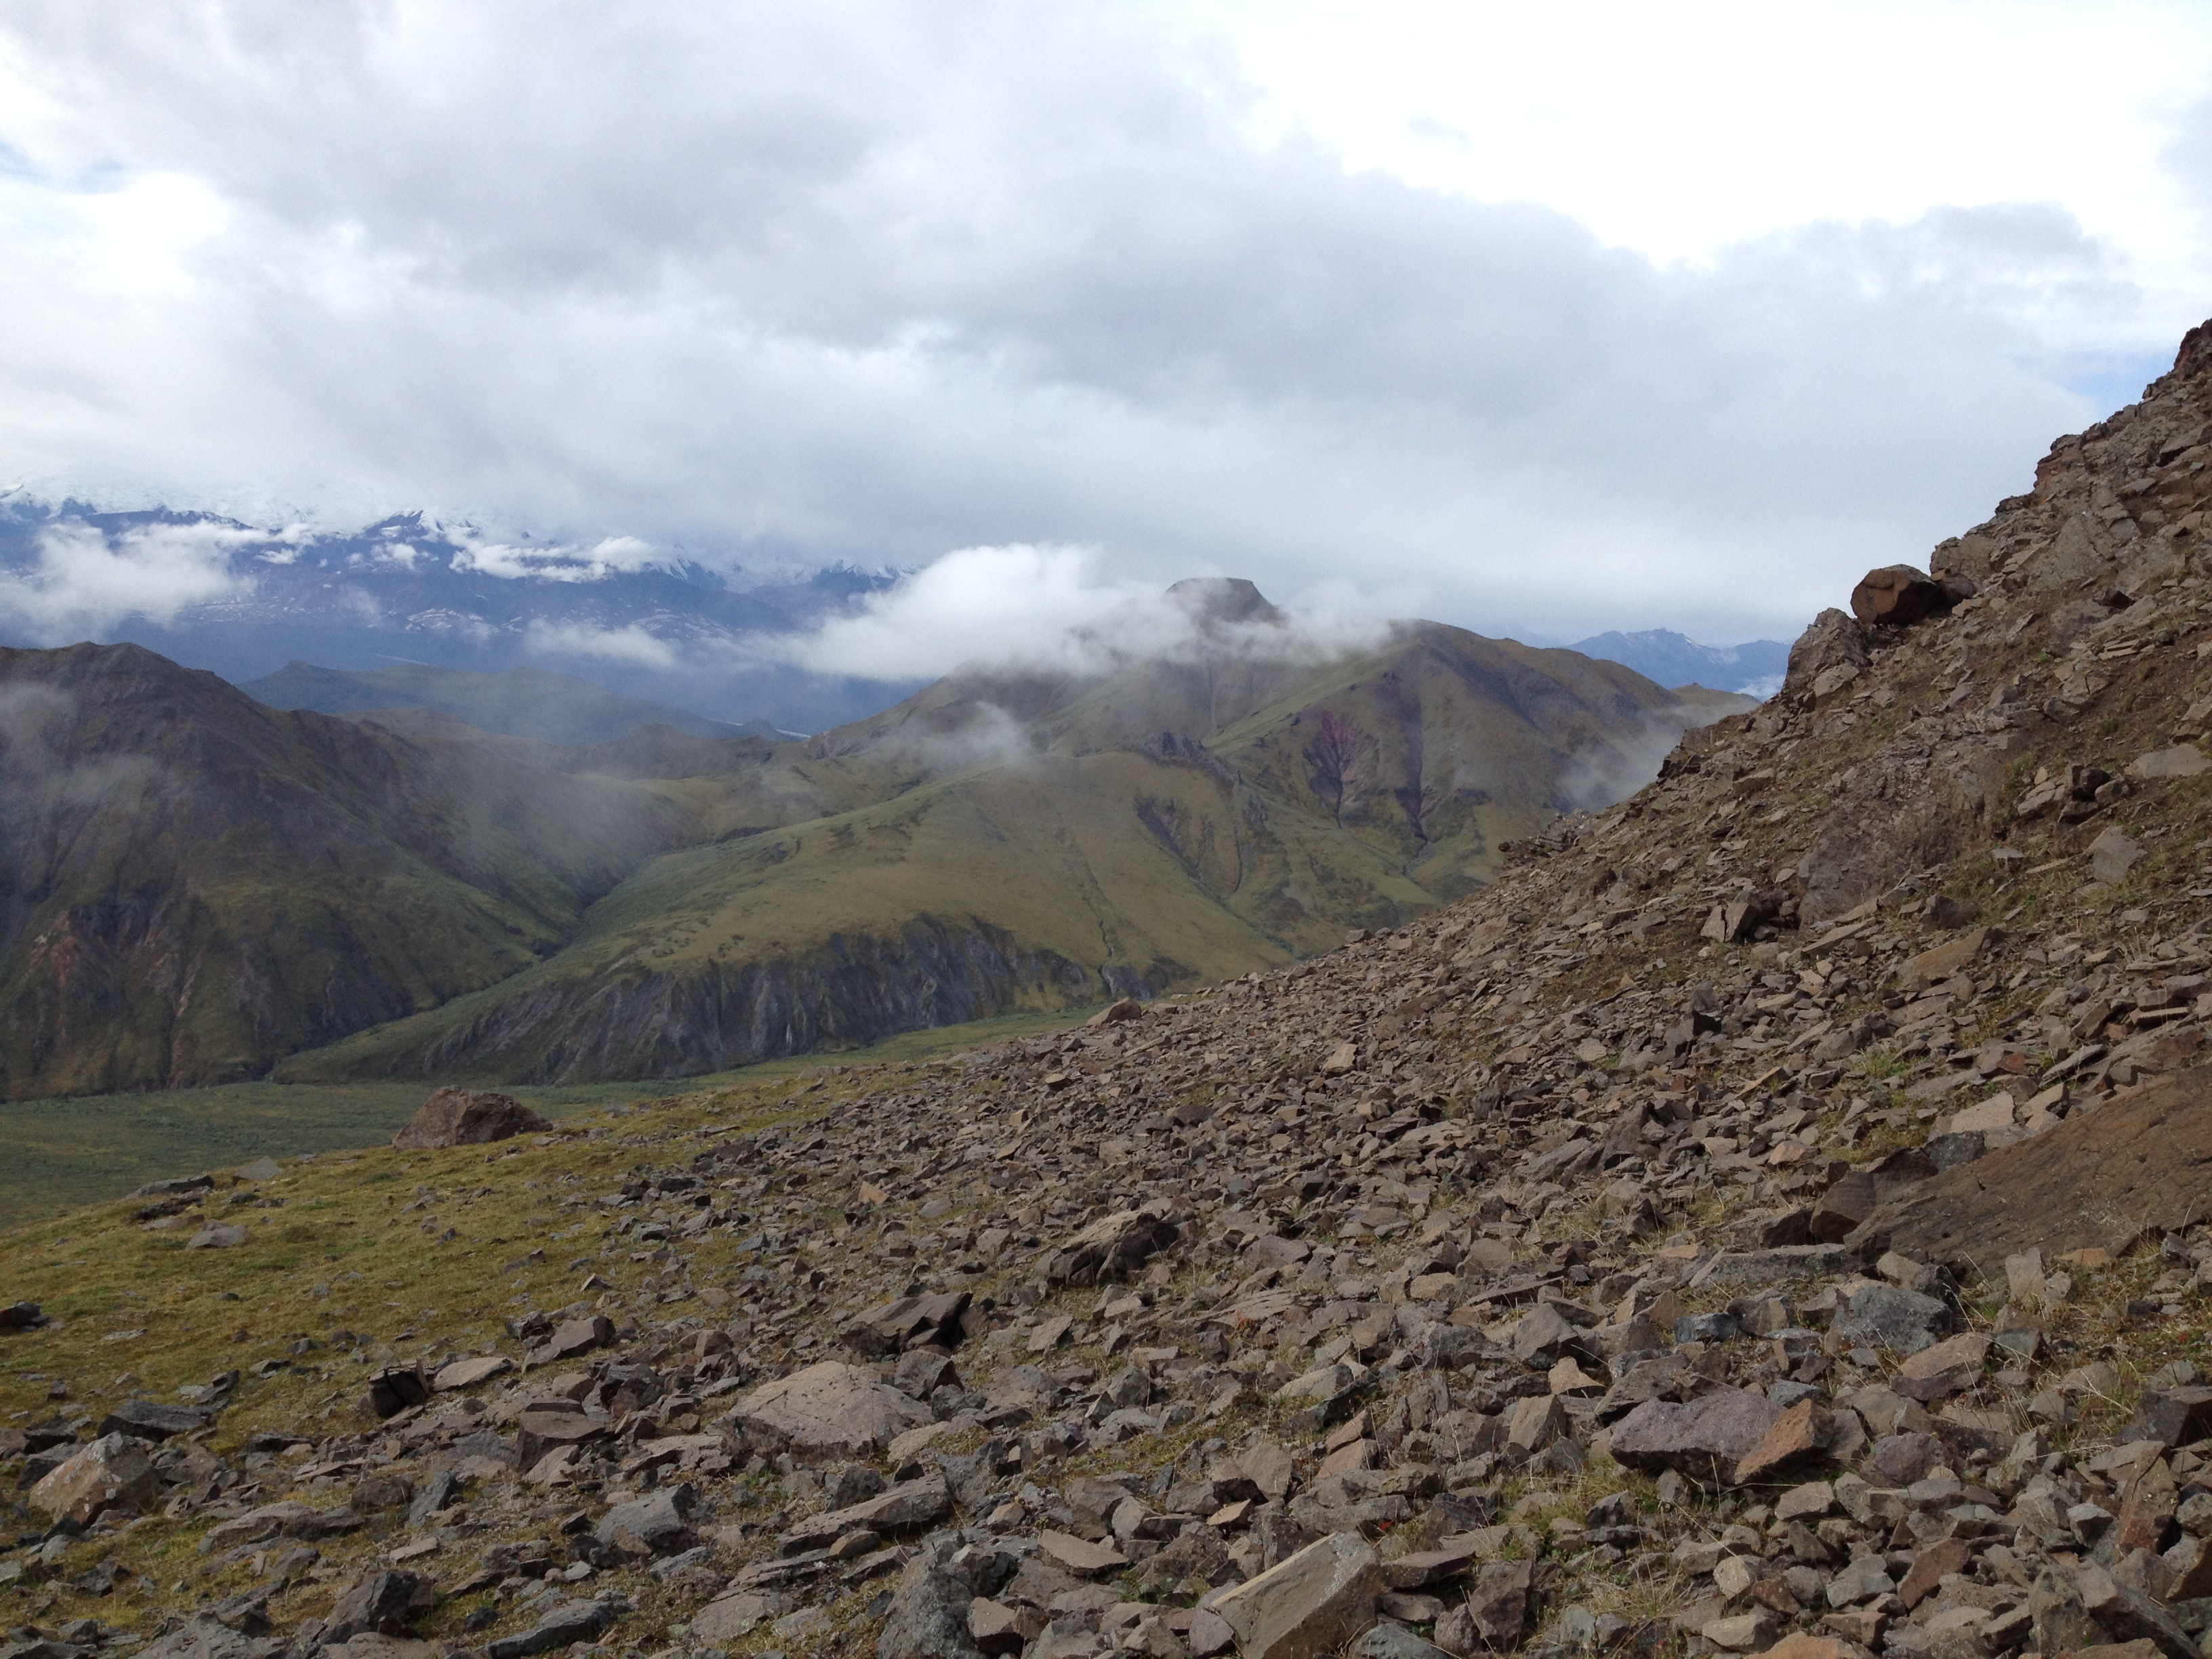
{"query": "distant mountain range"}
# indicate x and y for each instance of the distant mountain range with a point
(195, 885)
(1672, 658)
(411, 590)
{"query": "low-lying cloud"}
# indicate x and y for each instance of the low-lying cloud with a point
(83, 583)
(1056, 609)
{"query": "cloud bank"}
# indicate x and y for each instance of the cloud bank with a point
(866, 282)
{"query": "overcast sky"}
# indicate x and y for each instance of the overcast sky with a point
(1548, 319)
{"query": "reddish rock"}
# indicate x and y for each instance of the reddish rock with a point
(1706, 1438)
(466, 1117)
(1897, 596)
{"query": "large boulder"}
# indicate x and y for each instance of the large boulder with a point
(1897, 596)
(827, 1411)
(2141, 1164)
(114, 1472)
(466, 1117)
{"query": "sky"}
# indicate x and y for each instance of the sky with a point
(1543, 320)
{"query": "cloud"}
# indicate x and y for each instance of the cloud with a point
(867, 282)
(631, 644)
(83, 582)
(1053, 608)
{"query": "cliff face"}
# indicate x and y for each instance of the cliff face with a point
(847, 993)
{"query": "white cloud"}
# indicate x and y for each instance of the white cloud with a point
(628, 644)
(1678, 317)
(1028, 607)
(84, 582)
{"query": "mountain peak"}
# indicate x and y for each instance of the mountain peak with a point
(1224, 600)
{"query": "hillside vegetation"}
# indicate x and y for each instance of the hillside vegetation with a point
(194, 885)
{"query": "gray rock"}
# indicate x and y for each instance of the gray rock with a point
(564, 1623)
(382, 1602)
(1308, 1604)
(1394, 1642)
(827, 1411)
(929, 1614)
(219, 1236)
(147, 1419)
(1885, 1317)
(655, 1524)
(203, 1638)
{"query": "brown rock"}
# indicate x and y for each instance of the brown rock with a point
(1080, 1556)
(1707, 1438)
(467, 1117)
(1847, 1202)
(1946, 1555)
(1803, 1644)
(1116, 1013)
(1498, 1602)
(997, 1629)
(2140, 1164)
(1111, 1248)
(1897, 596)
(2146, 1509)
(1931, 966)
(1949, 1367)
(1798, 1437)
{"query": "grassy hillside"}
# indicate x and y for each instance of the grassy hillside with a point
(1042, 841)
(523, 702)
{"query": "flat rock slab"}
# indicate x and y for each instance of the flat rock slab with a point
(1705, 1439)
(223, 1235)
(1080, 1555)
(2141, 1163)
(467, 1373)
(1308, 1604)
(149, 1420)
(114, 1472)
(828, 1410)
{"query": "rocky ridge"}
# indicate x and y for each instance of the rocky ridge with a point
(1768, 1220)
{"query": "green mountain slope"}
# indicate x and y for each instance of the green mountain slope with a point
(192, 884)
(522, 702)
(1028, 841)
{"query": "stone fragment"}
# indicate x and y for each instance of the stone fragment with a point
(112, 1472)
(1949, 958)
(1394, 1642)
(378, 1602)
(1111, 1248)
(2172, 1416)
(910, 1322)
(217, 1236)
(1946, 1367)
(655, 1524)
(573, 1337)
(1796, 1437)
(1080, 1555)
(1705, 1439)
(1308, 1604)
(557, 1626)
(995, 1628)
(826, 1410)
(903, 1507)
(1847, 1202)
(148, 1419)
(395, 1389)
(1889, 1316)
(467, 1373)
(467, 1117)
(1803, 1644)
(1897, 596)
(733, 1615)
(202, 1635)
(1944, 1555)
(2112, 854)
(1741, 1632)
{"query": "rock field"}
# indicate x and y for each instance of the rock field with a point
(1773, 1218)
